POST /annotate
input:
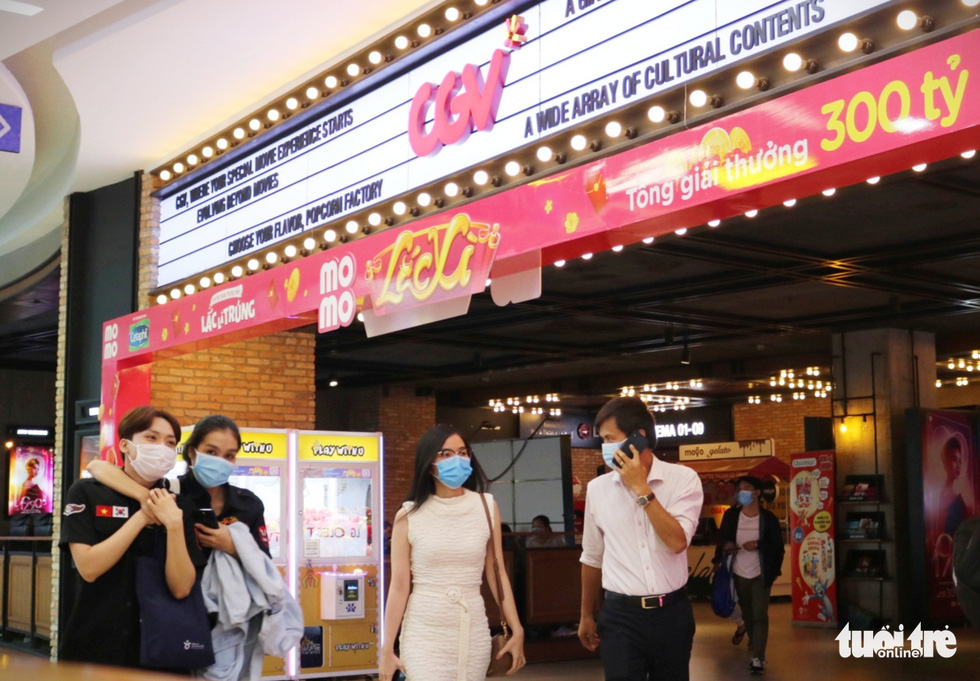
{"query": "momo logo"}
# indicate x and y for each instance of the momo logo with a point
(139, 335)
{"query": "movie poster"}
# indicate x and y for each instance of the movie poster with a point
(950, 493)
(31, 481)
(812, 537)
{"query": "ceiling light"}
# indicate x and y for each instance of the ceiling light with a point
(175, 293)
(290, 251)
(178, 167)
(579, 142)
(292, 103)
(751, 213)
(205, 282)
(452, 14)
(907, 20)
(513, 168)
(192, 160)
(848, 42)
(829, 192)
(745, 80)
(207, 152)
(451, 189)
(271, 257)
(330, 236)
(481, 177)
(792, 62)
(401, 42)
(586, 256)
(968, 3)
(312, 92)
(375, 57)
(309, 243)
(789, 203)
(165, 175)
(374, 219)
(544, 154)
(239, 133)
(189, 289)
(236, 271)
(424, 199)
(162, 299)
(648, 240)
(919, 167)
(698, 98)
(272, 115)
(253, 264)
(657, 114)
(681, 232)
(330, 82)
(617, 248)
(351, 227)
(972, 152)
(714, 223)
(559, 263)
(873, 180)
(424, 30)
(614, 129)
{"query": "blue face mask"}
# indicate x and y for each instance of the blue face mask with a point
(608, 453)
(212, 471)
(744, 497)
(454, 471)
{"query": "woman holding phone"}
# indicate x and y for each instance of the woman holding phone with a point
(211, 451)
(438, 557)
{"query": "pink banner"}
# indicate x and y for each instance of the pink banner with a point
(914, 108)
(812, 537)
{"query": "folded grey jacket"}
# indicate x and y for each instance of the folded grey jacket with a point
(257, 616)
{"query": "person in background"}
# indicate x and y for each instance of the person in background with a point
(752, 533)
(439, 555)
(639, 520)
(106, 532)
(543, 536)
(211, 451)
(387, 538)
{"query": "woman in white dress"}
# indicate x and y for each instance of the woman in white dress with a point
(438, 558)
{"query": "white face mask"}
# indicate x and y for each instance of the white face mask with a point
(152, 461)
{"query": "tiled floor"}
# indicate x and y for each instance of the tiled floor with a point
(795, 654)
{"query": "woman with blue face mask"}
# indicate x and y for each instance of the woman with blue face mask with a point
(753, 534)
(438, 558)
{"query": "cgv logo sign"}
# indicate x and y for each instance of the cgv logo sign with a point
(460, 104)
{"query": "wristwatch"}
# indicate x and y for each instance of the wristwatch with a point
(642, 501)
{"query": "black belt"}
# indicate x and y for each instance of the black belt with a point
(647, 602)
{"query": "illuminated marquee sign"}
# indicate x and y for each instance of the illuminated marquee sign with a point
(579, 63)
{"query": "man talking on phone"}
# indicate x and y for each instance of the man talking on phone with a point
(639, 520)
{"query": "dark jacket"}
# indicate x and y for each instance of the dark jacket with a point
(771, 548)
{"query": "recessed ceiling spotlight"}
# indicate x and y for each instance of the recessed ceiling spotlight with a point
(714, 223)
(789, 203)
(751, 213)
(919, 167)
(617, 248)
(873, 180)
(648, 240)
(681, 232)
(829, 192)
(586, 256)
(559, 263)
(972, 152)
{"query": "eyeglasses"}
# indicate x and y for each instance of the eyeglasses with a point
(446, 453)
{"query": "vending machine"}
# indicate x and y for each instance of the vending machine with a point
(341, 556)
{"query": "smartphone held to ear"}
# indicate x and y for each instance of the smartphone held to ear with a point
(638, 440)
(206, 517)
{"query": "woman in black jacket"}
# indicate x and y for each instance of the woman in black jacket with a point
(753, 535)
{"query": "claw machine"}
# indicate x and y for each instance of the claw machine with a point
(339, 493)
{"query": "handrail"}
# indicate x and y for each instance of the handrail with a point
(26, 538)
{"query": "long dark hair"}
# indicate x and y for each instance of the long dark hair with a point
(208, 425)
(424, 484)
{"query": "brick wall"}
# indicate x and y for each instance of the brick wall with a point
(149, 241)
(264, 382)
(403, 418)
(584, 465)
(782, 421)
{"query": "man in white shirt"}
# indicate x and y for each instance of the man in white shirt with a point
(639, 520)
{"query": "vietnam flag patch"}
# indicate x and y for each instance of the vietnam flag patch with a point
(103, 511)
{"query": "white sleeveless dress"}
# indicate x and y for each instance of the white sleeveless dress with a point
(445, 635)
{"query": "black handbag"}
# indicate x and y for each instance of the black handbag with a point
(174, 633)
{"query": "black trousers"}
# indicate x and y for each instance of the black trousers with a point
(646, 645)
